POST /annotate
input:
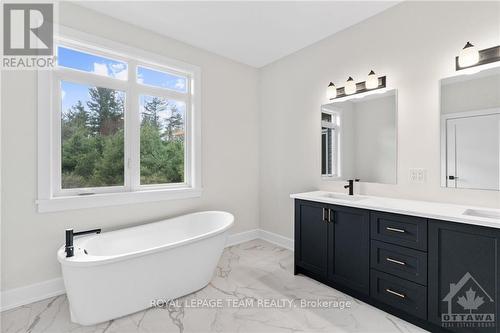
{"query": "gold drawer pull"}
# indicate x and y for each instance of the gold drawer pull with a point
(395, 293)
(396, 261)
(395, 229)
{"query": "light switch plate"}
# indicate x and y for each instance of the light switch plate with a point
(418, 175)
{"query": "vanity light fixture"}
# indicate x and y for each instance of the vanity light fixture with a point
(372, 82)
(331, 91)
(350, 86)
(470, 56)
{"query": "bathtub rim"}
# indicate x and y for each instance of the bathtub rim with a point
(90, 260)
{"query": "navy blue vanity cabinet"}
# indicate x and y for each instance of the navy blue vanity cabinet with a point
(442, 276)
(349, 248)
(464, 279)
(332, 244)
(311, 238)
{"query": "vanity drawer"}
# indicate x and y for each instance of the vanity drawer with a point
(398, 293)
(397, 229)
(400, 261)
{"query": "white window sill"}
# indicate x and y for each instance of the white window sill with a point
(331, 178)
(56, 204)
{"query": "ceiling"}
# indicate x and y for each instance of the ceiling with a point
(254, 33)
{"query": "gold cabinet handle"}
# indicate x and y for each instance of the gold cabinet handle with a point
(402, 263)
(395, 293)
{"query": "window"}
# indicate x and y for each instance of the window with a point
(91, 63)
(92, 136)
(330, 134)
(122, 127)
(159, 79)
(162, 140)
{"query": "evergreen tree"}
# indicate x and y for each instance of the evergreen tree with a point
(74, 119)
(173, 125)
(93, 142)
(106, 107)
(110, 169)
(151, 113)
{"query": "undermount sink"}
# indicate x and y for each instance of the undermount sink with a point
(482, 213)
(342, 197)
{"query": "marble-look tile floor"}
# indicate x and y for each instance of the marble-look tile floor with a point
(256, 290)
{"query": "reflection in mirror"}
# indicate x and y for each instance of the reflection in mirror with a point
(329, 140)
(470, 131)
(358, 138)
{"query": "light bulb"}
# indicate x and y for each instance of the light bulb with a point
(468, 56)
(331, 91)
(350, 86)
(371, 81)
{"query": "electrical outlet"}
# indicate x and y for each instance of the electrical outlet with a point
(418, 175)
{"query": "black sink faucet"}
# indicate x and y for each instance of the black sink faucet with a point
(69, 239)
(350, 186)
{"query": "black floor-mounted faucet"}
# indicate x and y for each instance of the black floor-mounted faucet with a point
(350, 186)
(69, 239)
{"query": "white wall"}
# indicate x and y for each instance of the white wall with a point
(473, 94)
(347, 141)
(375, 130)
(414, 44)
(230, 154)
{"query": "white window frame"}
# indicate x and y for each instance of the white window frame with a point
(51, 197)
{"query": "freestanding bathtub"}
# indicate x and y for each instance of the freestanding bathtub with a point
(117, 273)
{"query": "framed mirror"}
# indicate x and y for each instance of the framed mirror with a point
(359, 138)
(470, 131)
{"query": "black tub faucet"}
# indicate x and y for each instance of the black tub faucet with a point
(350, 186)
(69, 239)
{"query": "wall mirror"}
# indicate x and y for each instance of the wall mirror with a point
(359, 138)
(470, 130)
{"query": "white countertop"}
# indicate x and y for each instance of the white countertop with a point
(433, 210)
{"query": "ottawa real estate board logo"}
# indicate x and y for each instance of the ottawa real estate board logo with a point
(469, 305)
(28, 36)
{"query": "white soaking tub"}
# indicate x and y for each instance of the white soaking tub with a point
(124, 271)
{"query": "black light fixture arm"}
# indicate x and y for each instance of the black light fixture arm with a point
(361, 87)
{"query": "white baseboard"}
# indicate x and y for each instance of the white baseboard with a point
(14, 298)
(33, 293)
(279, 240)
(268, 236)
(242, 237)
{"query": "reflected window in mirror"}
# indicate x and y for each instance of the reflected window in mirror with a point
(330, 143)
(359, 138)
